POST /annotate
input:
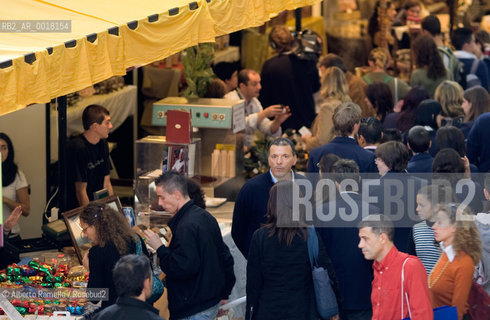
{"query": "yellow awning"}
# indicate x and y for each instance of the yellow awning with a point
(60, 69)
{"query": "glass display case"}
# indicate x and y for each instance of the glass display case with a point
(154, 155)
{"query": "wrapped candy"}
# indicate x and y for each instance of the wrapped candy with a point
(46, 269)
(35, 307)
(27, 272)
(62, 269)
(76, 271)
(13, 270)
(48, 309)
(15, 279)
(75, 309)
(21, 310)
(16, 302)
(34, 264)
(36, 278)
(3, 277)
(41, 267)
(59, 307)
(40, 309)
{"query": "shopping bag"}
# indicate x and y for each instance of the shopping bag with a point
(444, 313)
(326, 302)
(157, 287)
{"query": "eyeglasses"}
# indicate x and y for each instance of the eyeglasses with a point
(376, 160)
(84, 231)
(368, 120)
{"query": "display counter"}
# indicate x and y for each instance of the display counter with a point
(224, 215)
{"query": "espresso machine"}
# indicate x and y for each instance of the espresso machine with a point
(218, 124)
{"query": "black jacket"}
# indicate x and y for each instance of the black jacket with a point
(127, 308)
(290, 81)
(346, 148)
(198, 264)
(101, 263)
(354, 273)
(279, 282)
(251, 209)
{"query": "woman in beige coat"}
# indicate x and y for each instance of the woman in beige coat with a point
(335, 91)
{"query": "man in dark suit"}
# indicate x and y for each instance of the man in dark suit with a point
(340, 236)
(478, 149)
(346, 122)
(289, 80)
(251, 202)
(370, 133)
(419, 142)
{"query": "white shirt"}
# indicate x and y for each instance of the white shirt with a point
(233, 95)
(252, 108)
(460, 54)
(449, 250)
(274, 179)
(10, 192)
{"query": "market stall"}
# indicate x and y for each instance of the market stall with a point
(104, 40)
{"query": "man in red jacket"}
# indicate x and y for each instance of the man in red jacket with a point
(399, 288)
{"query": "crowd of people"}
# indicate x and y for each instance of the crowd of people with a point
(426, 230)
(426, 134)
(397, 188)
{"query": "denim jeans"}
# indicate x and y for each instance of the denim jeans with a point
(208, 314)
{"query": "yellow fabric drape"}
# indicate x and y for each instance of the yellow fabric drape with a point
(67, 70)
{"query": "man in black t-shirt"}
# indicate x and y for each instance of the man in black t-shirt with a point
(88, 158)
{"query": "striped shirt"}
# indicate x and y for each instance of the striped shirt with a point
(427, 251)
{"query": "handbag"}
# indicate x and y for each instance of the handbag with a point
(157, 285)
(440, 313)
(326, 302)
(479, 303)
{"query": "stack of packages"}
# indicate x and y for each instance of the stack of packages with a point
(44, 288)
